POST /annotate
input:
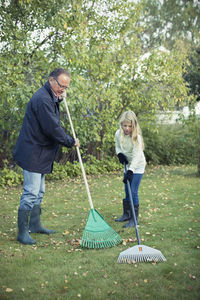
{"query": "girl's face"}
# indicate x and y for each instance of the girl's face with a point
(127, 127)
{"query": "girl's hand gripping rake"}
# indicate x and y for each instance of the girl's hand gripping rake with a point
(139, 253)
(97, 233)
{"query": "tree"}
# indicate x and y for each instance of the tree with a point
(99, 43)
(192, 72)
(166, 21)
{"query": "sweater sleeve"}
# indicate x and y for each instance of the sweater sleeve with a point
(137, 154)
(117, 142)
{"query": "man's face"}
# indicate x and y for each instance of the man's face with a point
(60, 84)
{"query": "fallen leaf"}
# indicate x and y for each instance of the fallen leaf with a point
(170, 287)
(75, 242)
(192, 276)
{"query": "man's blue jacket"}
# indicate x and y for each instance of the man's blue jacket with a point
(41, 133)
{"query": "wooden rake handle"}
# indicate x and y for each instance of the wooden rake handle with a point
(79, 156)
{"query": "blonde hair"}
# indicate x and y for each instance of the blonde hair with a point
(130, 116)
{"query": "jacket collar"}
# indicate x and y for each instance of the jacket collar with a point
(48, 88)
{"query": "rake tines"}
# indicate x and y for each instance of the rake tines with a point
(140, 253)
(98, 234)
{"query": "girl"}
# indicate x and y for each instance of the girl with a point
(129, 148)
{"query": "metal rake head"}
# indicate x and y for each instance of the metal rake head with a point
(140, 253)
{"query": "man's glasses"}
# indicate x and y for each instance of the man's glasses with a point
(61, 86)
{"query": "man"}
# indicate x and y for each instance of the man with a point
(35, 151)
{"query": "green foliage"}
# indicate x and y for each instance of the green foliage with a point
(69, 170)
(169, 20)
(170, 144)
(192, 72)
(92, 167)
(164, 144)
(193, 126)
(9, 177)
(102, 49)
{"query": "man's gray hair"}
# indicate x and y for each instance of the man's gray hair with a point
(57, 72)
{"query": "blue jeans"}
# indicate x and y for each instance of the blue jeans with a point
(34, 189)
(134, 188)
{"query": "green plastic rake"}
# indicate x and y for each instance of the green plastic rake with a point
(97, 233)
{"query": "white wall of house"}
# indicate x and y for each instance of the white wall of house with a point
(170, 117)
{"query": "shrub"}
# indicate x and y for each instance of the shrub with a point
(166, 145)
(170, 144)
(10, 177)
(92, 167)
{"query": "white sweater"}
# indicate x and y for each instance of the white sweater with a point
(133, 152)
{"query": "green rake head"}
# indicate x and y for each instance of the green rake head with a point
(97, 233)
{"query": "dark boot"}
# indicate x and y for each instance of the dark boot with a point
(131, 221)
(35, 225)
(23, 232)
(126, 212)
(129, 224)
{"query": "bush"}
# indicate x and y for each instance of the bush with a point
(170, 144)
(165, 145)
(10, 177)
(92, 167)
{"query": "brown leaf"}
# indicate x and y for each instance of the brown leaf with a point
(170, 287)
(75, 242)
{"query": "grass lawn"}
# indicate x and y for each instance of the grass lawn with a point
(57, 268)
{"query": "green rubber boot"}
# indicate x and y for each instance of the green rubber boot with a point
(35, 225)
(23, 232)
